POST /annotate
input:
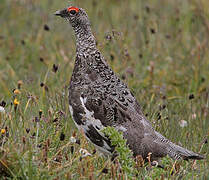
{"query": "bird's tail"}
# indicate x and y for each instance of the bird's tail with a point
(178, 152)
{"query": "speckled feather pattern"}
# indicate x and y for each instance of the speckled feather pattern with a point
(98, 98)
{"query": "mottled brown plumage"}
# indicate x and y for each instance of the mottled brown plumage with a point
(98, 98)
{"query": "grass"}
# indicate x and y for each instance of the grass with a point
(160, 49)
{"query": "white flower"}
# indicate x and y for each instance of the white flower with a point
(168, 58)
(194, 116)
(84, 152)
(2, 110)
(72, 139)
(183, 123)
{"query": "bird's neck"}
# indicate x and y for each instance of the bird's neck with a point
(85, 41)
(87, 53)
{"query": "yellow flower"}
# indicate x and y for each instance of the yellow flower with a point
(16, 102)
(16, 91)
(3, 131)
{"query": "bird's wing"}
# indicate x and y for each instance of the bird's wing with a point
(109, 112)
(114, 113)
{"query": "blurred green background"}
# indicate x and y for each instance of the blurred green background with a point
(159, 48)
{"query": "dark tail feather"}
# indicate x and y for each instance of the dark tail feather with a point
(178, 152)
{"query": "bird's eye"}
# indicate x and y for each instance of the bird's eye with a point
(73, 10)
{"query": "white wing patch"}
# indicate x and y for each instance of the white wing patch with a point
(91, 121)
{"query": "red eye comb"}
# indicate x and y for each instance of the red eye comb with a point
(73, 8)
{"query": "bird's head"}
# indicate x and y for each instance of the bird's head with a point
(76, 16)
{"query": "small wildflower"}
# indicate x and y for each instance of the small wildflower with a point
(3, 131)
(136, 17)
(108, 37)
(16, 102)
(94, 151)
(72, 139)
(84, 152)
(42, 84)
(191, 96)
(140, 55)
(72, 149)
(152, 30)
(22, 42)
(147, 8)
(19, 84)
(3, 103)
(78, 141)
(112, 57)
(158, 116)
(41, 59)
(123, 76)
(39, 145)
(62, 136)
(126, 53)
(164, 97)
(55, 119)
(46, 88)
(27, 130)
(183, 123)
(23, 140)
(55, 68)
(40, 113)
(168, 36)
(194, 116)
(16, 91)
(2, 110)
(161, 107)
(46, 27)
(37, 119)
(105, 170)
(202, 79)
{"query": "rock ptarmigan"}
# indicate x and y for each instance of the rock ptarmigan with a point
(98, 98)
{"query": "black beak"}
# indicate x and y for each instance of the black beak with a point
(63, 13)
(58, 13)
